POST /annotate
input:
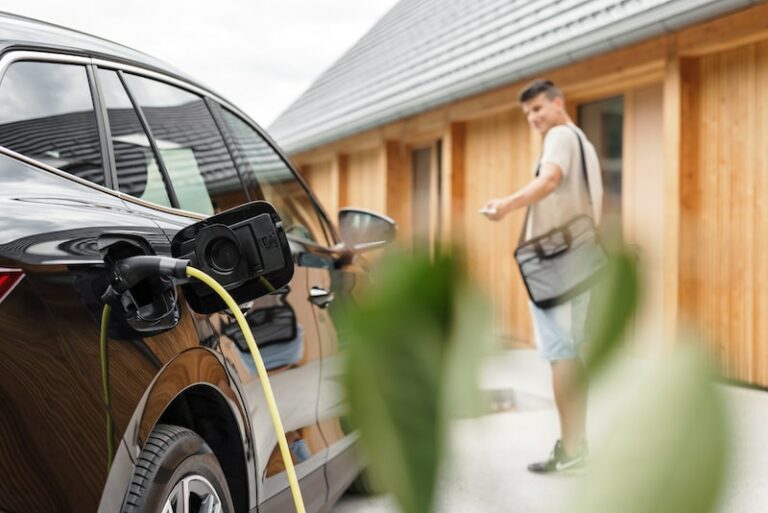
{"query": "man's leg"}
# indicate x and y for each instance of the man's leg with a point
(559, 333)
(570, 389)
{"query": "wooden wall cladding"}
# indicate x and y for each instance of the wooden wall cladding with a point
(724, 219)
(366, 180)
(499, 159)
(321, 180)
(643, 208)
(398, 189)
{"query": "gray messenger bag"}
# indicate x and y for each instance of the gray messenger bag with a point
(564, 262)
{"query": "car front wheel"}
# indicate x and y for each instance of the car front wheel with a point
(177, 473)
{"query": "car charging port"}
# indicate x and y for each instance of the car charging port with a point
(244, 249)
(141, 288)
(241, 249)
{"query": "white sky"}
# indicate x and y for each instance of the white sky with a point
(259, 54)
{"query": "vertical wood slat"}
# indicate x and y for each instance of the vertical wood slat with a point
(724, 240)
(497, 162)
(446, 199)
(691, 197)
(340, 172)
(642, 191)
(457, 151)
(759, 229)
(366, 181)
(671, 204)
(320, 178)
(398, 188)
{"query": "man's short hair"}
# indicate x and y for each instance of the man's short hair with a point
(538, 87)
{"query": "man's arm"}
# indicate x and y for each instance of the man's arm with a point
(537, 189)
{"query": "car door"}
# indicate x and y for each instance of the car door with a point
(330, 278)
(174, 155)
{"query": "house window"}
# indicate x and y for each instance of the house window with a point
(426, 191)
(602, 121)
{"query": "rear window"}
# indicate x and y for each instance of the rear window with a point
(47, 113)
(200, 167)
(138, 172)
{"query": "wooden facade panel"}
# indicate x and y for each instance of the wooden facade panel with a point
(321, 180)
(398, 200)
(454, 173)
(498, 160)
(760, 187)
(695, 176)
(737, 29)
(366, 181)
(723, 217)
(642, 193)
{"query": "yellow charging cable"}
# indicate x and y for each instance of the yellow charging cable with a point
(105, 383)
(265, 385)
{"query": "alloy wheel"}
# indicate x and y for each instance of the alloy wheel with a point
(193, 494)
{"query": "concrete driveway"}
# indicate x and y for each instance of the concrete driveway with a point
(489, 454)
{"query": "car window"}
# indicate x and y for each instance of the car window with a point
(138, 173)
(269, 178)
(47, 113)
(201, 170)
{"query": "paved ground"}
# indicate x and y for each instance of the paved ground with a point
(493, 450)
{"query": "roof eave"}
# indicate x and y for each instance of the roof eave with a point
(619, 35)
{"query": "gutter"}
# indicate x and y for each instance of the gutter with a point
(661, 20)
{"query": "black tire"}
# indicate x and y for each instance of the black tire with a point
(170, 455)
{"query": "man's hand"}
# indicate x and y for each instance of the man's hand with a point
(494, 209)
(549, 178)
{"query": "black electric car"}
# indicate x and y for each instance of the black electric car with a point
(98, 140)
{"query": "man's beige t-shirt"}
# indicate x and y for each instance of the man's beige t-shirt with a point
(570, 198)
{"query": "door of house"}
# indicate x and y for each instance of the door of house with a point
(602, 121)
(426, 189)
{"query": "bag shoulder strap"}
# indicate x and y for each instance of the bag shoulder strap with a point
(527, 213)
(586, 183)
(583, 165)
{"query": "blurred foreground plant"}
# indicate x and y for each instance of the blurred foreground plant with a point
(415, 344)
(666, 450)
(613, 305)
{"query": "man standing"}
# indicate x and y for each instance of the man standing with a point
(556, 195)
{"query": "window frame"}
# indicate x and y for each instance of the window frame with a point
(212, 100)
(326, 226)
(72, 60)
(170, 191)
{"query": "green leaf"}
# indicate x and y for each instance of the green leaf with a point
(666, 453)
(405, 370)
(471, 343)
(614, 302)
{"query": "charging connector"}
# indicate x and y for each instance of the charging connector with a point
(139, 268)
(245, 251)
(128, 272)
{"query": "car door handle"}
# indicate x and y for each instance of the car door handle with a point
(321, 297)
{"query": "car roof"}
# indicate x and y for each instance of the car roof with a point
(20, 32)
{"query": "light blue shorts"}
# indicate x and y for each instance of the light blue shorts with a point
(560, 330)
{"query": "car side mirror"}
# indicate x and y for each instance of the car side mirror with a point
(363, 230)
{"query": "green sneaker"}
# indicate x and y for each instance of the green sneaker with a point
(558, 461)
